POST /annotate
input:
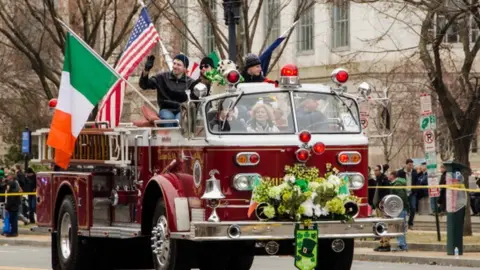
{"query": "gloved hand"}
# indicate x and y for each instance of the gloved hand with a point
(149, 63)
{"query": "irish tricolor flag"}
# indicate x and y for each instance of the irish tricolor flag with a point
(85, 81)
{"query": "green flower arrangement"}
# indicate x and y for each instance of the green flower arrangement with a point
(304, 195)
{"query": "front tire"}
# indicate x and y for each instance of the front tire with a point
(68, 243)
(341, 259)
(168, 254)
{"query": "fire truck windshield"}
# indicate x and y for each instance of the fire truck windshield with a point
(273, 113)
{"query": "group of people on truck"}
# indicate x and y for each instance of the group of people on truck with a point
(171, 86)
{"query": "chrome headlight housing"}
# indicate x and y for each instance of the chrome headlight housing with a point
(244, 181)
(356, 180)
(391, 205)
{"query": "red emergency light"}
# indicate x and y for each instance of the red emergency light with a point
(339, 76)
(233, 77)
(52, 103)
(302, 155)
(305, 136)
(318, 148)
(289, 70)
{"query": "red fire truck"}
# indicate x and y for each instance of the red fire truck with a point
(175, 195)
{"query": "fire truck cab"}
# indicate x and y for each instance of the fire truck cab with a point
(176, 195)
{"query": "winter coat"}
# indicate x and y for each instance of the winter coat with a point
(403, 174)
(382, 181)
(252, 79)
(169, 88)
(31, 183)
(402, 193)
(13, 202)
(22, 179)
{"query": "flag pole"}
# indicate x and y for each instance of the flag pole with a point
(107, 65)
(167, 57)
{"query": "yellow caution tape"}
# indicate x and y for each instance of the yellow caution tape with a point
(457, 187)
(17, 194)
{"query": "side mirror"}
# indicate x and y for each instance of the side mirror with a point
(200, 90)
(364, 89)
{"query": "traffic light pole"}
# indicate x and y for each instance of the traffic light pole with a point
(231, 10)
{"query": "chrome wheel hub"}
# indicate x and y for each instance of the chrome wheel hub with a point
(66, 235)
(161, 242)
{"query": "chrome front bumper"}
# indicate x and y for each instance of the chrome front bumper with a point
(246, 230)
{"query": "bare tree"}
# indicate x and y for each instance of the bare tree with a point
(449, 72)
(250, 14)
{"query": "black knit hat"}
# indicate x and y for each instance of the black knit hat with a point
(207, 61)
(252, 60)
(182, 58)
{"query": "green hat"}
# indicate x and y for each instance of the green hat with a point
(308, 246)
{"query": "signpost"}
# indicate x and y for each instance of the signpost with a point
(428, 124)
(26, 145)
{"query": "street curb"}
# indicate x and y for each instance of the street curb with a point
(419, 247)
(418, 260)
(23, 242)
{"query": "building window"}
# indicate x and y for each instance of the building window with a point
(271, 22)
(453, 35)
(305, 31)
(209, 31)
(341, 24)
(181, 8)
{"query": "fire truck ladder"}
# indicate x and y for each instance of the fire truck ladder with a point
(95, 146)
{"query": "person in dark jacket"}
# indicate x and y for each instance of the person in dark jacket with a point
(31, 186)
(13, 203)
(442, 200)
(171, 86)
(410, 174)
(380, 193)
(22, 180)
(205, 65)
(252, 71)
(475, 199)
(371, 191)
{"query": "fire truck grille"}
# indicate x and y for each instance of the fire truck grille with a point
(92, 147)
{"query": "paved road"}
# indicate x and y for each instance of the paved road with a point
(32, 258)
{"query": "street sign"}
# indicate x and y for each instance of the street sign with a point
(425, 104)
(26, 139)
(428, 122)
(429, 141)
(431, 158)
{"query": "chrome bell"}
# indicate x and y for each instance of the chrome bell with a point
(213, 194)
(213, 189)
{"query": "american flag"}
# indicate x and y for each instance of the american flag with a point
(143, 39)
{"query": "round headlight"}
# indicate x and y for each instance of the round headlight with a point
(240, 182)
(356, 181)
(391, 205)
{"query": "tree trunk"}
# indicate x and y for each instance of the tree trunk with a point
(461, 155)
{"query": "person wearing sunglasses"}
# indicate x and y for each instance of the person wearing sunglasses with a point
(205, 65)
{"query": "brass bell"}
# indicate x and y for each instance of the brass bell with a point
(213, 189)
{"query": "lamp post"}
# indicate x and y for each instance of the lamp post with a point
(231, 10)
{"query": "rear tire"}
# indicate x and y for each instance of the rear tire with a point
(170, 254)
(329, 259)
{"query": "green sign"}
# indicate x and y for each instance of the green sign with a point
(306, 239)
(428, 122)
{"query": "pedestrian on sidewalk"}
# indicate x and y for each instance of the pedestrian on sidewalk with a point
(21, 180)
(380, 193)
(410, 174)
(396, 181)
(31, 186)
(13, 203)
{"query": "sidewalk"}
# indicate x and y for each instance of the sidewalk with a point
(26, 240)
(418, 257)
